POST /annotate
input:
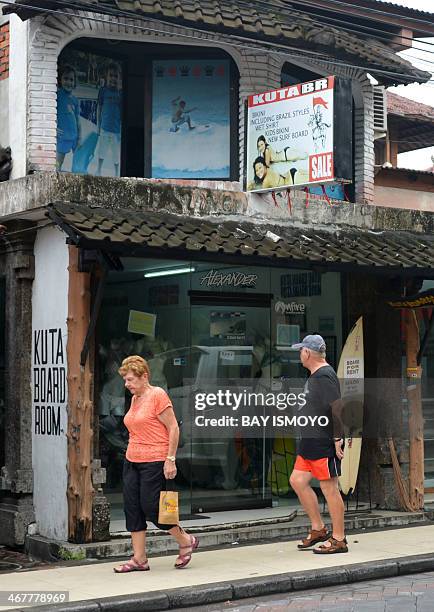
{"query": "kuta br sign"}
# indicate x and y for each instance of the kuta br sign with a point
(290, 136)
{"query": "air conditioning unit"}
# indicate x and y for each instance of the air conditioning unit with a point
(380, 111)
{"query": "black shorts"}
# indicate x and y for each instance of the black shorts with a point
(142, 485)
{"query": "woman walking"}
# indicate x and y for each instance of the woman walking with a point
(150, 461)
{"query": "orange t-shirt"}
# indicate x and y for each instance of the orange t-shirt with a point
(149, 437)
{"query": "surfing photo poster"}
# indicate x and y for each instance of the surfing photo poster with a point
(89, 113)
(191, 119)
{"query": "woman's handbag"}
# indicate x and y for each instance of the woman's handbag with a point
(168, 512)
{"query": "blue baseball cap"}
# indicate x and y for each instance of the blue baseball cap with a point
(314, 342)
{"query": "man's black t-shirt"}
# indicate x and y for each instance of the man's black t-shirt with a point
(321, 389)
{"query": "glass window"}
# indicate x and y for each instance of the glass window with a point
(191, 118)
(198, 323)
(137, 109)
(89, 113)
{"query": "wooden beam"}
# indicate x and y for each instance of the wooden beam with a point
(403, 39)
(415, 419)
(94, 316)
(392, 138)
(80, 407)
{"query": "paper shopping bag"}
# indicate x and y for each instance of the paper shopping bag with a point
(168, 513)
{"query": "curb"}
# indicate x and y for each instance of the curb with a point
(245, 588)
(268, 530)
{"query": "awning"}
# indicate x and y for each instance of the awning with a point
(143, 233)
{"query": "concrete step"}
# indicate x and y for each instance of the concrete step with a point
(213, 536)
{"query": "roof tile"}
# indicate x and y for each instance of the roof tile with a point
(280, 21)
(345, 248)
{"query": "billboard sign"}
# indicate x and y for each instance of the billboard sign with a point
(290, 136)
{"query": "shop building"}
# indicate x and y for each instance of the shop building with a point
(179, 265)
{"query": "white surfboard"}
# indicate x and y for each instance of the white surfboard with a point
(351, 375)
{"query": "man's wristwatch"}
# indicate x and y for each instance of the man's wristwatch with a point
(337, 439)
(171, 458)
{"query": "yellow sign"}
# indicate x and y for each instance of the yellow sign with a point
(142, 323)
(170, 505)
(425, 300)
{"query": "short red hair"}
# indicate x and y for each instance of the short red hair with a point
(135, 364)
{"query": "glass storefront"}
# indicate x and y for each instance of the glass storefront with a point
(196, 323)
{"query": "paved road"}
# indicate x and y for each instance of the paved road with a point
(413, 593)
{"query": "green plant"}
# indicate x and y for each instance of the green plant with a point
(71, 555)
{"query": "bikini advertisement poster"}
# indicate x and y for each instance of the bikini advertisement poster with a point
(191, 119)
(89, 111)
(290, 136)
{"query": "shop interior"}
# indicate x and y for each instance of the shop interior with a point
(197, 323)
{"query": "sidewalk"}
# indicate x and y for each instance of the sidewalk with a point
(231, 573)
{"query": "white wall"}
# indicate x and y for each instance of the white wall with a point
(404, 198)
(4, 112)
(18, 36)
(49, 408)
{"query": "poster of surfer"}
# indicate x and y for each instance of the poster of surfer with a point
(191, 119)
(290, 136)
(89, 111)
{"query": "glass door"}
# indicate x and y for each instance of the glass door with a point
(229, 470)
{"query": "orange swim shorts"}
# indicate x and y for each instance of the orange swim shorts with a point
(322, 469)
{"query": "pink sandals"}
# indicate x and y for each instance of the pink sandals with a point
(132, 566)
(185, 559)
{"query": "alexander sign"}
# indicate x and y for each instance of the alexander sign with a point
(214, 278)
(293, 135)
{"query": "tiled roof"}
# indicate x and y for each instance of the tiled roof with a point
(410, 109)
(413, 122)
(408, 171)
(281, 24)
(400, 9)
(148, 233)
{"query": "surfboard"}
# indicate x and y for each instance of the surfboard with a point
(351, 376)
(281, 465)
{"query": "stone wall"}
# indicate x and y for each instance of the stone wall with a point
(16, 476)
(35, 192)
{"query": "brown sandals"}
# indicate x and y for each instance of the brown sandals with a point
(315, 536)
(336, 546)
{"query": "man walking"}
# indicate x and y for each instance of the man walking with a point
(320, 453)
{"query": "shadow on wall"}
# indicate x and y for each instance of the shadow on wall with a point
(5, 163)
